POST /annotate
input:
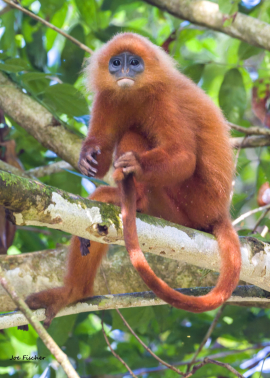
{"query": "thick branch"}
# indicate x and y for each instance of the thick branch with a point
(141, 299)
(38, 122)
(35, 204)
(206, 13)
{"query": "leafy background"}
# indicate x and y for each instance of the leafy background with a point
(49, 68)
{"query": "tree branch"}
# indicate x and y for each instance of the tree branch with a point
(206, 13)
(38, 122)
(141, 299)
(33, 203)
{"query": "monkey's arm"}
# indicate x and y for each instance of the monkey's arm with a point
(169, 162)
(97, 149)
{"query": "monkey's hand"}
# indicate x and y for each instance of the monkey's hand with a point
(88, 159)
(126, 164)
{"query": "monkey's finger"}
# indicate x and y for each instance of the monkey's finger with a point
(90, 174)
(97, 150)
(128, 170)
(91, 159)
(87, 166)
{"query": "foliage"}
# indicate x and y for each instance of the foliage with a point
(48, 67)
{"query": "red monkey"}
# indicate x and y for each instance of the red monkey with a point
(173, 160)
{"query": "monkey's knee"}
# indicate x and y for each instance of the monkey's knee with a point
(106, 194)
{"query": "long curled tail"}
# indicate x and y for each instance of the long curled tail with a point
(229, 250)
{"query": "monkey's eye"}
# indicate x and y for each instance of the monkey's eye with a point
(116, 62)
(134, 62)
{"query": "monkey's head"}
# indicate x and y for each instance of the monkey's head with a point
(125, 67)
(129, 62)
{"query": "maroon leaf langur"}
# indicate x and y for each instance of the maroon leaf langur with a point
(172, 159)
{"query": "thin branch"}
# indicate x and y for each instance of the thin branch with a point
(207, 335)
(47, 170)
(254, 130)
(143, 371)
(209, 361)
(113, 352)
(137, 337)
(49, 25)
(251, 142)
(60, 356)
(249, 213)
(226, 366)
(259, 220)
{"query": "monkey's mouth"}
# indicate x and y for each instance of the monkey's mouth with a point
(125, 82)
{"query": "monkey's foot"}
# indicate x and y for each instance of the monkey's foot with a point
(84, 245)
(52, 300)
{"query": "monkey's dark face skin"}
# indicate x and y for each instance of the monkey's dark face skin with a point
(125, 67)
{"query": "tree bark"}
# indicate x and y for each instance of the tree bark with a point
(206, 13)
(33, 203)
(38, 122)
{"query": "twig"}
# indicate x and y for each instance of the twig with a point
(207, 335)
(59, 355)
(248, 213)
(259, 220)
(113, 352)
(251, 141)
(143, 371)
(136, 336)
(209, 361)
(254, 130)
(49, 25)
(225, 365)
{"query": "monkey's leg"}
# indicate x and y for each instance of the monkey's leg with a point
(81, 270)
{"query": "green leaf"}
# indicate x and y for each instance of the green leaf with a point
(245, 51)
(194, 71)
(138, 318)
(265, 166)
(59, 331)
(232, 95)
(35, 50)
(35, 82)
(228, 7)
(64, 98)
(13, 65)
(72, 56)
(112, 5)
(49, 7)
(89, 12)
(7, 40)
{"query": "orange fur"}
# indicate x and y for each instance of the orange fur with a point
(176, 143)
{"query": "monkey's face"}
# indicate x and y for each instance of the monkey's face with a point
(125, 67)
